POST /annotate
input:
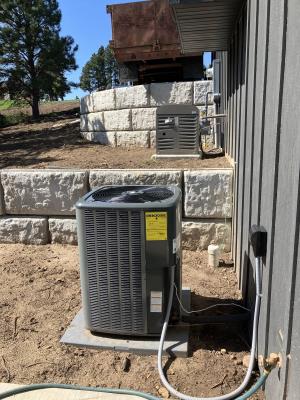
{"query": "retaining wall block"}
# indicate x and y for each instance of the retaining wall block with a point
(92, 122)
(2, 204)
(63, 230)
(223, 235)
(171, 93)
(144, 118)
(198, 235)
(132, 96)
(105, 138)
(132, 139)
(88, 136)
(152, 139)
(118, 120)
(210, 111)
(134, 177)
(200, 90)
(26, 230)
(104, 100)
(86, 104)
(208, 193)
(43, 192)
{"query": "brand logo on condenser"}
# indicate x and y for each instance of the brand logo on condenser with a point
(157, 215)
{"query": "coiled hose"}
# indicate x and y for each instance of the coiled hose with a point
(243, 386)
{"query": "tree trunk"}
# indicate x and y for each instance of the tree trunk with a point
(35, 107)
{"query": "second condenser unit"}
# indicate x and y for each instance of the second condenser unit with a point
(129, 237)
(178, 131)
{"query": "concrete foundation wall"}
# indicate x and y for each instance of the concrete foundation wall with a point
(129, 114)
(38, 205)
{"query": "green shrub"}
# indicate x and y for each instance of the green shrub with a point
(13, 119)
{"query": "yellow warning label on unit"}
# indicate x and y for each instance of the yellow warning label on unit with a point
(156, 225)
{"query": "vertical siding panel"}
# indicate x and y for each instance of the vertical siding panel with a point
(237, 134)
(225, 57)
(233, 117)
(235, 93)
(225, 97)
(262, 67)
(225, 66)
(241, 163)
(244, 262)
(259, 108)
(231, 96)
(292, 388)
(263, 119)
(257, 93)
(270, 167)
(224, 92)
(286, 224)
(230, 99)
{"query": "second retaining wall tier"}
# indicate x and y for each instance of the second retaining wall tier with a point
(127, 116)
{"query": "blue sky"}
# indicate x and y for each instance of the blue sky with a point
(87, 22)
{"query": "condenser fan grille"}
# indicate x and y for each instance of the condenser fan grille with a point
(132, 194)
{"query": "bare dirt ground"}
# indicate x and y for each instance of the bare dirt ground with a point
(40, 295)
(45, 108)
(56, 142)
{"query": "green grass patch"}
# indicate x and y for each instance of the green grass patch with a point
(6, 104)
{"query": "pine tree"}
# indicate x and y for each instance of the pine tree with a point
(111, 66)
(99, 72)
(33, 55)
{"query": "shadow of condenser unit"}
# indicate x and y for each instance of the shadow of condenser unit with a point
(178, 132)
(129, 237)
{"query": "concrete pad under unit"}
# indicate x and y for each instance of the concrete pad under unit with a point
(176, 156)
(54, 394)
(176, 341)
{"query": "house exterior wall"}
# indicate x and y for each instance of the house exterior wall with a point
(262, 136)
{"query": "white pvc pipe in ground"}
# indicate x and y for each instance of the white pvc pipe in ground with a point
(213, 255)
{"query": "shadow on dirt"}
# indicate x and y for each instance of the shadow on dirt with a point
(232, 336)
(24, 145)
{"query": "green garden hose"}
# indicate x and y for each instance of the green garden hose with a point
(23, 389)
(260, 382)
(30, 388)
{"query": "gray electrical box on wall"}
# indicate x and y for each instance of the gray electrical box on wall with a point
(178, 131)
(129, 237)
(217, 80)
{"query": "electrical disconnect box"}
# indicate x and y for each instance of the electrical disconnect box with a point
(217, 81)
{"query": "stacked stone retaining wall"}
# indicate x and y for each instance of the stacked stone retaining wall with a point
(37, 206)
(127, 116)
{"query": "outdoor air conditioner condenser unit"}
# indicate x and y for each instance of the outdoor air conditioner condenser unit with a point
(178, 131)
(129, 237)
